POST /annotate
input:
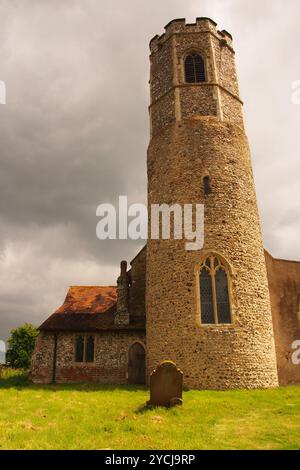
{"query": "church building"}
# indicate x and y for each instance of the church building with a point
(227, 314)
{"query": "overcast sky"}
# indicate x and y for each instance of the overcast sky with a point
(74, 132)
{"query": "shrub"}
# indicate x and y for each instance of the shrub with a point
(20, 346)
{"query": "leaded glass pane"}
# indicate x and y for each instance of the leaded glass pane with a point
(79, 349)
(199, 69)
(222, 297)
(207, 308)
(189, 70)
(194, 69)
(90, 349)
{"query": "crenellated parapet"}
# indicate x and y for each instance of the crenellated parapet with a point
(179, 26)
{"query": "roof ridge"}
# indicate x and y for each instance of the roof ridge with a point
(90, 285)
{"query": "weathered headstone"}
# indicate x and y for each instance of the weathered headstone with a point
(166, 385)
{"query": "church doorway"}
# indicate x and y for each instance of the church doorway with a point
(136, 364)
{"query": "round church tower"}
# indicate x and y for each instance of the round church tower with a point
(208, 310)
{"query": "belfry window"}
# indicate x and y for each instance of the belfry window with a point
(84, 348)
(214, 292)
(194, 69)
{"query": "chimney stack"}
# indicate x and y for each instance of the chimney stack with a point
(122, 316)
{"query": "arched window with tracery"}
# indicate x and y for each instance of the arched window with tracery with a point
(215, 305)
(194, 68)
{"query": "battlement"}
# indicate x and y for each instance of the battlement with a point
(179, 25)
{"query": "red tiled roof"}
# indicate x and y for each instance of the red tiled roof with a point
(89, 308)
(88, 299)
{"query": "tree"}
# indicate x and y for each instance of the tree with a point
(20, 346)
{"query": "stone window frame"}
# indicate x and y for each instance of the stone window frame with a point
(84, 362)
(203, 55)
(230, 275)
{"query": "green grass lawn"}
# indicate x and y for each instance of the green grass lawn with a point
(88, 416)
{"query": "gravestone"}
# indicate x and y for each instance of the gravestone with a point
(166, 385)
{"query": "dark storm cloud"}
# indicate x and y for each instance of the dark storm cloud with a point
(74, 132)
